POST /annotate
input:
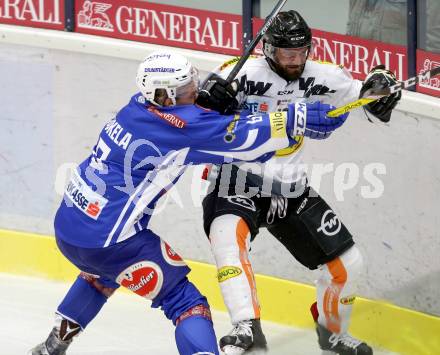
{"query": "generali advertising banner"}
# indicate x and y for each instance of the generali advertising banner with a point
(155, 23)
(356, 54)
(359, 55)
(207, 31)
(34, 13)
(427, 61)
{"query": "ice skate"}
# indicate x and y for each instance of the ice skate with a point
(247, 336)
(58, 340)
(342, 344)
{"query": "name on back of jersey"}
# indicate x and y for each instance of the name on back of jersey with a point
(117, 134)
(84, 198)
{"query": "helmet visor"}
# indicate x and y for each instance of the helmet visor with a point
(288, 56)
(293, 53)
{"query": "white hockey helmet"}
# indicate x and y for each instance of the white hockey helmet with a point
(169, 71)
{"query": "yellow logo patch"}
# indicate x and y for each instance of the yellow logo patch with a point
(347, 300)
(228, 272)
(278, 124)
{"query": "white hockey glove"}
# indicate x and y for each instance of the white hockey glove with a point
(310, 120)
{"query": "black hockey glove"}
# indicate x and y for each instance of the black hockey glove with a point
(217, 94)
(380, 78)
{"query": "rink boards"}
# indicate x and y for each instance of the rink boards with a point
(382, 324)
(400, 246)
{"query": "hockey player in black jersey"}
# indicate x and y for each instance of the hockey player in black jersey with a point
(276, 194)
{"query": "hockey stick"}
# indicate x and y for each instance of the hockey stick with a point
(253, 44)
(375, 94)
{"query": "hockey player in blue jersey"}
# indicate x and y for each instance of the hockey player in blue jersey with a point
(102, 223)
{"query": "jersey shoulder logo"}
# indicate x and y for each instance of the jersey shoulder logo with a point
(172, 119)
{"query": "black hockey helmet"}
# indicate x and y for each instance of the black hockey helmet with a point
(288, 30)
(288, 36)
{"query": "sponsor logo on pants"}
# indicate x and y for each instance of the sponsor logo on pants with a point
(170, 256)
(228, 272)
(330, 224)
(144, 278)
(347, 300)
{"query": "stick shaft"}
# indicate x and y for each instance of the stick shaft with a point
(373, 95)
(255, 41)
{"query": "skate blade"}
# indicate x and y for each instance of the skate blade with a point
(257, 352)
(232, 350)
(38, 350)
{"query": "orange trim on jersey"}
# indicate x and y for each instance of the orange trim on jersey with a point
(242, 232)
(203, 108)
(332, 294)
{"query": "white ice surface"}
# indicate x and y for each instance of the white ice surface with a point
(126, 325)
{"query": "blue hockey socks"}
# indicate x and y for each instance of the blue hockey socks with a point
(195, 333)
(189, 311)
(81, 303)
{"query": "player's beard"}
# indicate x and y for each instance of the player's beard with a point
(291, 72)
(287, 72)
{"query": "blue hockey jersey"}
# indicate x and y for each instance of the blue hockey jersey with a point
(142, 152)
